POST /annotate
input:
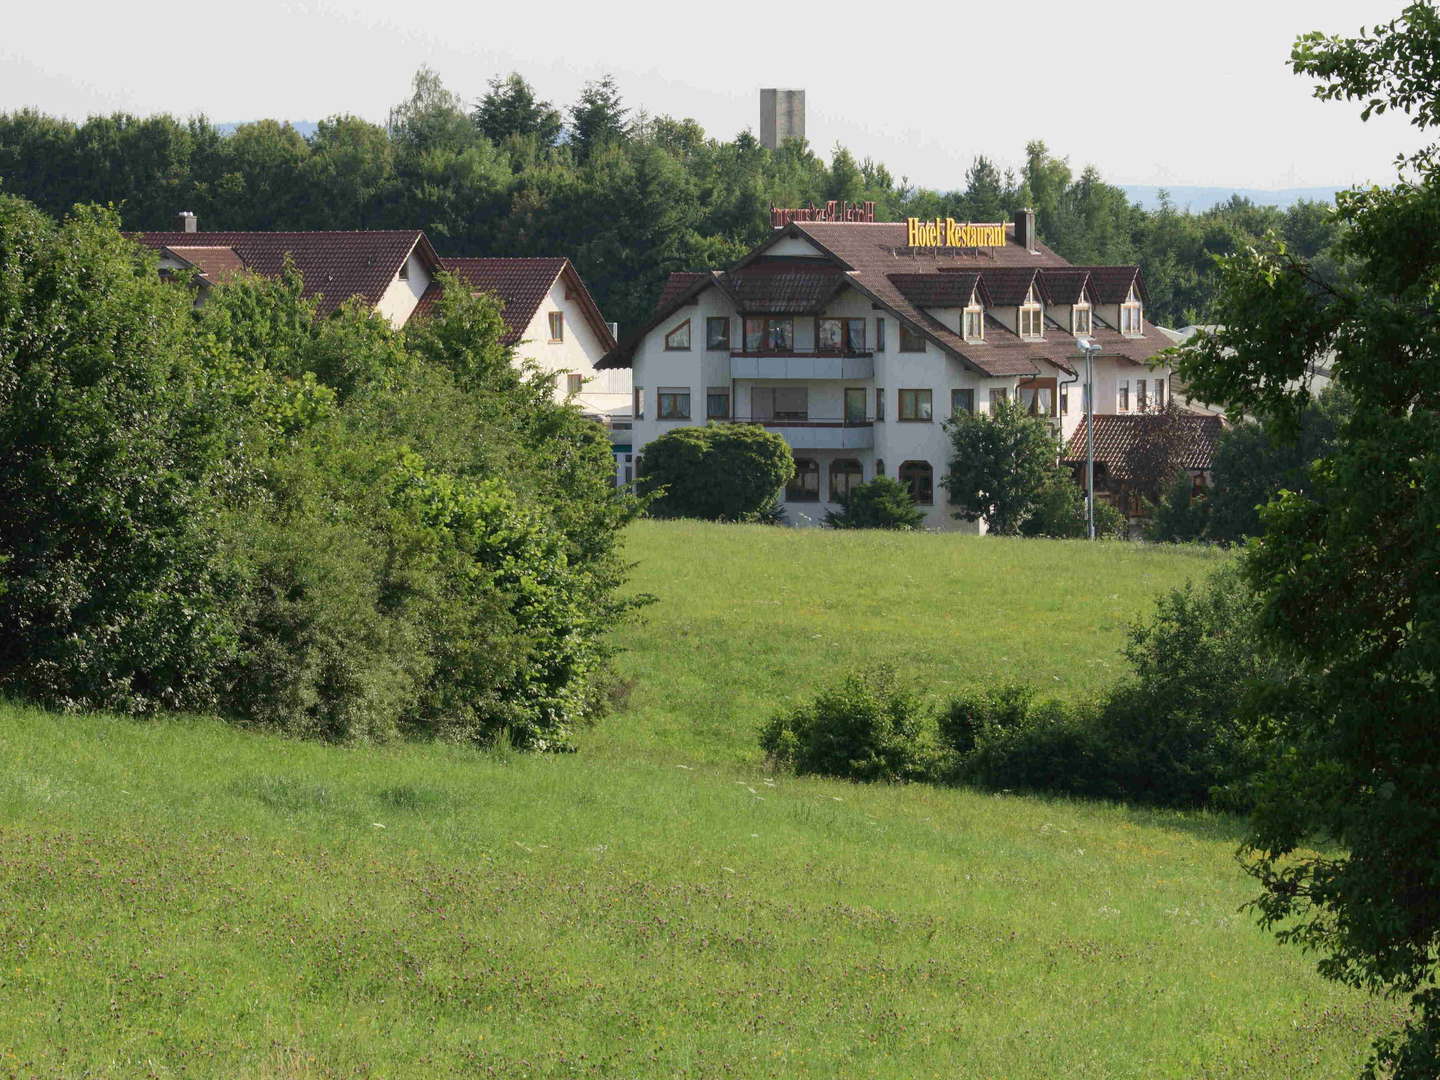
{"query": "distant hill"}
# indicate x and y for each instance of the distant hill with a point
(304, 127)
(1199, 199)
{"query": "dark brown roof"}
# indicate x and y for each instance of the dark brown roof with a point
(878, 263)
(937, 290)
(335, 265)
(676, 284)
(521, 286)
(1066, 286)
(783, 287)
(1116, 436)
(1111, 284)
(214, 264)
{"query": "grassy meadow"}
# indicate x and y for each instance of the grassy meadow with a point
(179, 898)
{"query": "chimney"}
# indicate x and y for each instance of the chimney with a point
(186, 221)
(1025, 230)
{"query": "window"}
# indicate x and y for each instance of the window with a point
(880, 404)
(845, 475)
(828, 335)
(639, 403)
(914, 405)
(805, 485)
(911, 340)
(1141, 398)
(962, 401)
(1032, 316)
(1064, 401)
(854, 405)
(997, 396)
(879, 466)
(717, 332)
(405, 270)
(573, 383)
(1159, 393)
(1037, 397)
(879, 335)
(1132, 318)
(678, 340)
(974, 324)
(1122, 396)
(717, 403)
(780, 403)
(629, 468)
(920, 479)
(769, 335)
(1080, 319)
(557, 326)
(855, 336)
(673, 403)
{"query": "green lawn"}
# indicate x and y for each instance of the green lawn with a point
(180, 898)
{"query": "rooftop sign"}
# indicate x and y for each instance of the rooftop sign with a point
(833, 210)
(947, 232)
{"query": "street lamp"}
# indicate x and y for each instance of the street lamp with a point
(1090, 349)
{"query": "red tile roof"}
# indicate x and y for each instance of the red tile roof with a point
(1117, 436)
(676, 285)
(783, 287)
(214, 264)
(937, 290)
(335, 265)
(521, 285)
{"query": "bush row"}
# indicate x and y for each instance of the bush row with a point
(1167, 735)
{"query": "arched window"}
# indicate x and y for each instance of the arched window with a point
(919, 477)
(879, 466)
(805, 485)
(845, 474)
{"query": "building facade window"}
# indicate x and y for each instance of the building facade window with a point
(840, 335)
(574, 383)
(854, 405)
(1141, 397)
(557, 326)
(678, 339)
(879, 335)
(973, 326)
(1037, 397)
(804, 486)
(1032, 317)
(919, 477)
(638, 404)
(717, 332)
(1064, 401)
(879, 466)
(962, 401)
(673, 403)
(769, 334)
(879, 403)
(717, 403)
(845, 475)
(1122, 396)
(911, 340)
(914, 405)
(1159, 393)
(998, 395)
(1080, 322)
(1132, 315)
(780, 403)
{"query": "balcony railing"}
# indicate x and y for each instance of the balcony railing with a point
(818, 432)
(802, 364)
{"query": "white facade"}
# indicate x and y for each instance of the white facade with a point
(574, 352)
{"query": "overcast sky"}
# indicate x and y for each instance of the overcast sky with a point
(1152, 93)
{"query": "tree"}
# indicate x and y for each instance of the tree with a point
(1346, 572)
(883, 503)
(511, 108)
(598, 118)
(433, 118)
(1162, 443)
(1001, 462)
(722, 472)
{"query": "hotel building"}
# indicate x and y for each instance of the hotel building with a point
(856, 340)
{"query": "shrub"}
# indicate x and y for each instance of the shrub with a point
(1182, 514)
(1000, 463)
(883, 503)
(1059, 511)
(720, 472)
(869, 727)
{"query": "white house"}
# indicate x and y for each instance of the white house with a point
(856, 340)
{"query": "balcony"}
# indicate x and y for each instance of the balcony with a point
(809, 433)
(802, 364)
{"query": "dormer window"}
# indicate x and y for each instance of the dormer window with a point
(1080, 323)
(1032, 317)
(1132, 315)
(973, 325)
(678, 339)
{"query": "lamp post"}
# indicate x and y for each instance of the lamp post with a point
(1089, 348)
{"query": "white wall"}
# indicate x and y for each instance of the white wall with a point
(579, 349)
(398, 301)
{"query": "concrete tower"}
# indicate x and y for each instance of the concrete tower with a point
(782, 116)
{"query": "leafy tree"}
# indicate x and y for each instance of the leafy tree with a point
(349, 170)
(1182, 514)
(511, 108)
(1000, 463)
(1158, 452)
(1346, 572)
(722, 472)
(598, 118)
(433, 118)
(1059, 511)
(883, 503)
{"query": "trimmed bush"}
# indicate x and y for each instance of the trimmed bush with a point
(883, 503)
(720, 472)
(869, 727)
